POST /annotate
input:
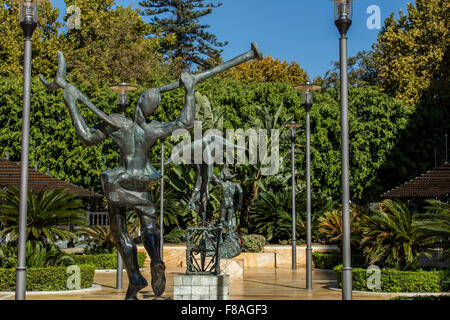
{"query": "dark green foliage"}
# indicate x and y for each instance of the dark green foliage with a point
(376, 121)
(37, 255)
(106, 261)
(271, 213)
(180, 19)
(46, 279)
(253, 243)
(391, 237)
(328, 260)
(399, 281)
(47, 212)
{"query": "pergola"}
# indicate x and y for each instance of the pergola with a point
(10, 176)
(433, 184)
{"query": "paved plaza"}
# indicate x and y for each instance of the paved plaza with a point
(257, 284)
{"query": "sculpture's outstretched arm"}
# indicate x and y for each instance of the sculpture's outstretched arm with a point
(186, 117)
(88, 136)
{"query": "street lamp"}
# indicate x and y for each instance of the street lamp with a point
(292, 127)
(123, 102)
(308, 90)
(343, 10)
(28, 22)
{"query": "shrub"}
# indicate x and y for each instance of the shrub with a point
(393, 280)
(328, 260)
(105, 261)
(253, 243)
(46, 279)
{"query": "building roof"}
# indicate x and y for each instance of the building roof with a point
(10, 176)
(433, 184)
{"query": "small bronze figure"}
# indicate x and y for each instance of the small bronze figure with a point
(228, 203)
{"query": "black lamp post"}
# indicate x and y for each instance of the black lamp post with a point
(123, 102)
(292, 127)
(308, 90)
(343, 10)
(28, 22)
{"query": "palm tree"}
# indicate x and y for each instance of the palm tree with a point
(391, 237)
(330, 226)
(436, 221)
(271, 213)
(48, 211)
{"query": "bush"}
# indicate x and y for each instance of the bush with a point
(105, 261)
(399, 281)
(46, 278)
(328, 260)
(253, 243)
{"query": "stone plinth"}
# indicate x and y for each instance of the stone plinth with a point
(201, 287)
(233, 268)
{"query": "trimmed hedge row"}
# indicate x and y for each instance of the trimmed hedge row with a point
(105, 261)
(399, 281)
(46, 279)
(329, 260)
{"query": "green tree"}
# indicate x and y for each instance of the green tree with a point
(46, 39)
(111, 47)
(271, 213)
(267, 70)
(193, 45)
(391, 237)
(411, 54)
(48, 211)
(361, 72)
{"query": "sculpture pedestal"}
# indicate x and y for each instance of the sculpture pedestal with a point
(201, 287)
(232, 268)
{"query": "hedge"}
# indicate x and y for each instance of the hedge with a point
(105, 261)
(46, 279)
(328, 260)
(253, 243)
(399, 281)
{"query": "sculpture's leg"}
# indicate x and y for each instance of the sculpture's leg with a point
(127, 249)
(151, 239)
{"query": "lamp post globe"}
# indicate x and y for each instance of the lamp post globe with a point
(123, 99)
(308, 99)
(343, 11)
(292, 129)
(28, 16)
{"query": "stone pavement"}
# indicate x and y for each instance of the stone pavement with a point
(257, 284)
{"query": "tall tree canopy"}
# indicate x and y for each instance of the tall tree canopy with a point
(46, 39)
(111, 47)
(267, 70)
(411, 54)
(193, 45)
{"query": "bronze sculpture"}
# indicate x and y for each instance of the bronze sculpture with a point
(228, 204)
(129, 183)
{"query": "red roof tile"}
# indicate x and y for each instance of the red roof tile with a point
(10, 176)
(433, 184)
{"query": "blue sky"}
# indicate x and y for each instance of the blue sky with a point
(291, 30)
